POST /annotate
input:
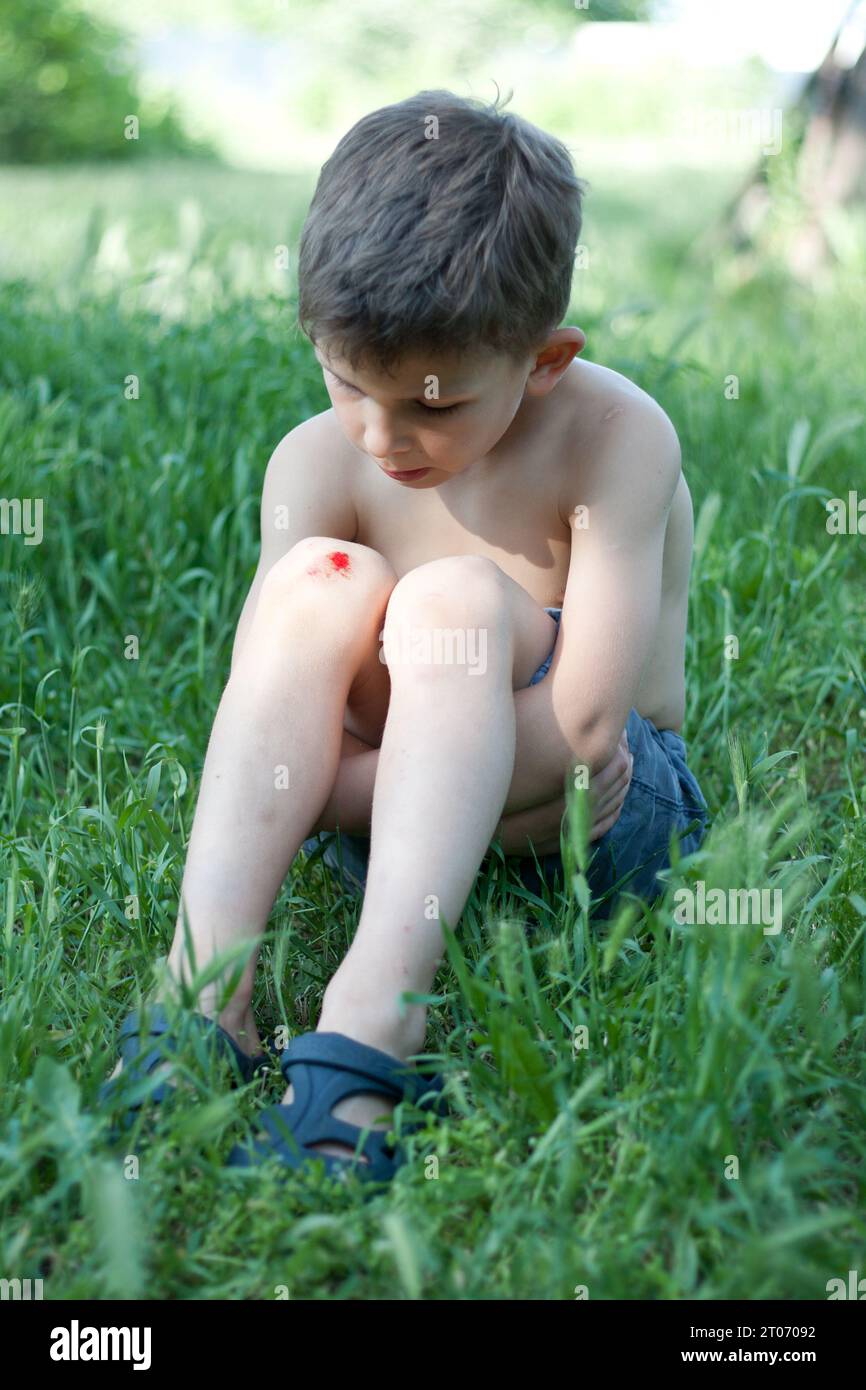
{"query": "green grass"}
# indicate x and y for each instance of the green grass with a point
(563, 1165)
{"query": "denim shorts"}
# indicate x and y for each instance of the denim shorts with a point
(556, 614)
(663, 800)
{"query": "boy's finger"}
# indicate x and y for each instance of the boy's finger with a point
(603, 826)
(614, 796)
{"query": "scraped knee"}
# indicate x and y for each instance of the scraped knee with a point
(324, 566)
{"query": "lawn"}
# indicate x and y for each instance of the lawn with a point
(645, 1109)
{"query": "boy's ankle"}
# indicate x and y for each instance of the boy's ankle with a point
(379, 1028)
(238, 1020)
(237, 1013)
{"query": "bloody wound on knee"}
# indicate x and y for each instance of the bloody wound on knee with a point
(338, 561)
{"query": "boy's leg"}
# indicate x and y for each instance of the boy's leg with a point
(310, 660)
(445, 766)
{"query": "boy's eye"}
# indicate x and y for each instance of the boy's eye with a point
(433, 409)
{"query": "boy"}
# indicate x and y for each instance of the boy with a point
(473, 486)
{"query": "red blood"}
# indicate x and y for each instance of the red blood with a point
(339, 560)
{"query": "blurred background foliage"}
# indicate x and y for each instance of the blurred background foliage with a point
(67, 83)
(239, 103)
(268, 86)
(71, 70)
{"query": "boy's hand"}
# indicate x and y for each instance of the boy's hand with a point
(608, 790)
(541, 824)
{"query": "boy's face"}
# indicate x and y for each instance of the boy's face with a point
(438, 414)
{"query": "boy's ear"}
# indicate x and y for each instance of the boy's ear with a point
(558, 352)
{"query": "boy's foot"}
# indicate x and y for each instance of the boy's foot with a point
(369, 1110)
(241, 1028)
(327, 1066)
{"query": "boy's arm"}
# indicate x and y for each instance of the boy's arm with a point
(303, 494)
(610, 610)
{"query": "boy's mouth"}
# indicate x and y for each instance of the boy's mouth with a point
(406, 473)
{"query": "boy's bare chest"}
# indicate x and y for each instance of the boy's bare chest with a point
(506, 520)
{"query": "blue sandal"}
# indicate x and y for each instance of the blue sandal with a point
(328, 1067)
(138, 1063)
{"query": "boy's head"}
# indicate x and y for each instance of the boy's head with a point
(435, 264)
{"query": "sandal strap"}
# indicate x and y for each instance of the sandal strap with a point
(159, 1025)
(355, 1068)
(296, 1138)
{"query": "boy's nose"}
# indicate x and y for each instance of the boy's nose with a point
(381, 439)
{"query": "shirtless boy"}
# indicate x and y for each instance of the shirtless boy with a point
(471, 475)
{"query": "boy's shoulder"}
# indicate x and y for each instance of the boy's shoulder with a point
(611, 438)
(596, 396)
(317, 439)
(318, 432)
(321, 437)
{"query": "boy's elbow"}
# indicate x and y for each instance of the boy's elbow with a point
(594, 744)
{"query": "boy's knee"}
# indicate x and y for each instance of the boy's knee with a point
(462, 588)
(331, 570)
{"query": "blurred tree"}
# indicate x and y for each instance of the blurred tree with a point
(67, 85)
(827, 125)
